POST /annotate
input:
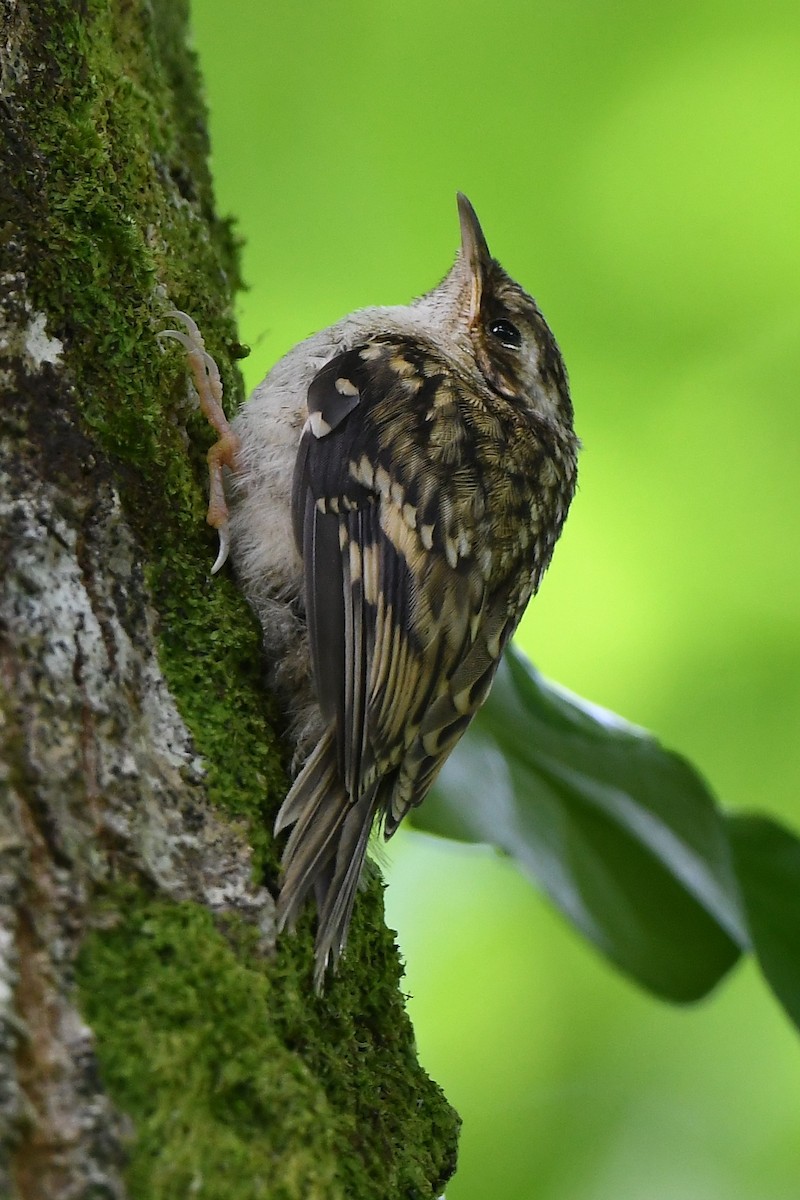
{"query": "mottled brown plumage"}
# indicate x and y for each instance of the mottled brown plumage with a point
(432, 462)
(428, 494)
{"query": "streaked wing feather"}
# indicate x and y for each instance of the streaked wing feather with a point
(337, 529)
(353, 726)
(325, 607)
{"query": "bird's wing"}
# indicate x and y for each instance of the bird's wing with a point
(407, 619)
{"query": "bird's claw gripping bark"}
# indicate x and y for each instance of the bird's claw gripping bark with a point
(208, 385)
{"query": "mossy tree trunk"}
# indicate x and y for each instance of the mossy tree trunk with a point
(154, 1041)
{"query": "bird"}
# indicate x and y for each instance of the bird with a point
(390, 495)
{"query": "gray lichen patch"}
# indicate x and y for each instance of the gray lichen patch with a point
(102, 732)
(25, 339)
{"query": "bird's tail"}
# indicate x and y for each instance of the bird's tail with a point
(325, 852)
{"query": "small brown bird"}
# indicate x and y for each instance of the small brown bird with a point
(398, 484)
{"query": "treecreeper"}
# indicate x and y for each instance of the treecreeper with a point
(390, 496)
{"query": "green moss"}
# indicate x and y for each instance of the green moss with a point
(221, 1108)
(239, 1081)
(243, 1085)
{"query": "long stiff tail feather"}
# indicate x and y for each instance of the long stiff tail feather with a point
(325, 852)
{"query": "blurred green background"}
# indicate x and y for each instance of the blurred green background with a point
(637, 167)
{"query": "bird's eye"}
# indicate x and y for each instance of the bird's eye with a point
(506, 333)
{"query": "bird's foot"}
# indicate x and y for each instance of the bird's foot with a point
(208, 385)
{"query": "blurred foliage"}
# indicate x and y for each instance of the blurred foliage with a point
(767, 861)
(636, 167)
(625, 838)
(622, 835)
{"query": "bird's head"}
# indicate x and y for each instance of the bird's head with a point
(499, 326)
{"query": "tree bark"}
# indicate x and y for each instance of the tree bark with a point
(154, 1040)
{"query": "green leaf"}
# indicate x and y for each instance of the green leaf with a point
(767, 859)
(622, 835)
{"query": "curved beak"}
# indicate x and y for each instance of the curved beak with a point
(474, 254)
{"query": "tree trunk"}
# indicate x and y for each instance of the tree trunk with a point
(154, 1040)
